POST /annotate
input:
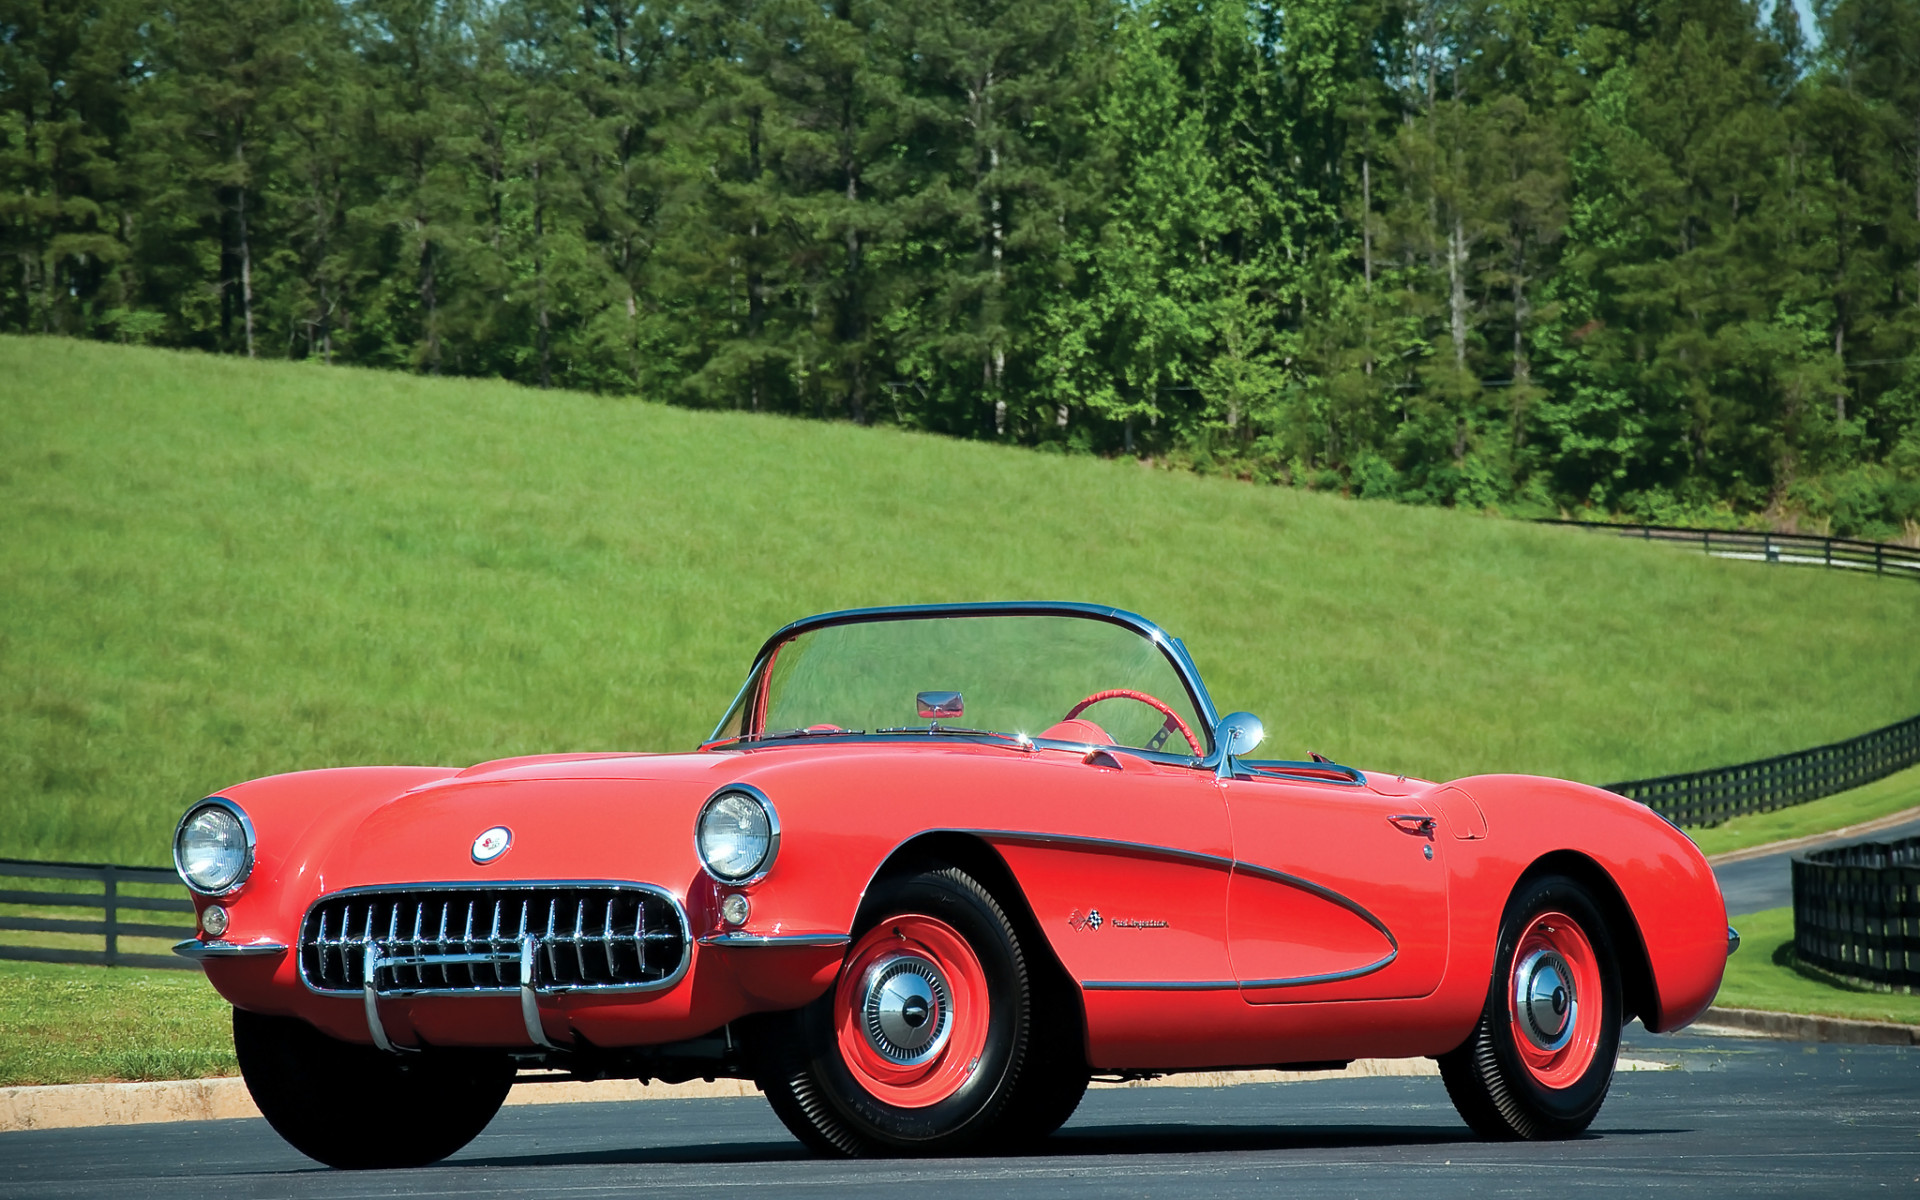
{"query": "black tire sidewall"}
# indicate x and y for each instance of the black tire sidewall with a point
(1574, 1106)
(354, 1107)
(971, 1109)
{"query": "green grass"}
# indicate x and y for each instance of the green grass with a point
(1761, 975)
(1881, 798)
(214, 569)
(80, 1024)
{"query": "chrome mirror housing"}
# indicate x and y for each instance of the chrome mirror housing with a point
(1238, 733)
(1234, 735)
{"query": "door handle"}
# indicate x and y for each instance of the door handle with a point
(1413, 823)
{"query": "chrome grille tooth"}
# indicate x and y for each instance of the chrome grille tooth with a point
(473, 976)
(440, 943)
(493, 945)
(419, 972)
(606, 941)
(640, 936)
(553, 951)
(393, 937)
(522, 935)
(580, 936)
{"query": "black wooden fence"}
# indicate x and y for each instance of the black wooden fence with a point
(1881, 558)
(49, 885)
(1856, 912)
(1710, 797)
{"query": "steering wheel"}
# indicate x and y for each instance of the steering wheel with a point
(1173, 721)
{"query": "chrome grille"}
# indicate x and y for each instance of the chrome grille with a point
(456, 939)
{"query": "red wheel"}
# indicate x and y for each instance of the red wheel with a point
(923, 1046)
(1554, 966)
(1173, 723)
(1540, 1061)
(910, 1011)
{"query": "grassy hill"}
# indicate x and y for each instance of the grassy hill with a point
(213, 569)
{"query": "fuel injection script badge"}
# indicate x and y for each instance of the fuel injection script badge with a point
(1092, 920)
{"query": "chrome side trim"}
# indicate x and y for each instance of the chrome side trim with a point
(1221, 985)
(1159, 985)
(197, 949)
(1192, 857)
(1329, 977)
(775, 940)
(1219, 863)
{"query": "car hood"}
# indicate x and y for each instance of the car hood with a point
(625, 817)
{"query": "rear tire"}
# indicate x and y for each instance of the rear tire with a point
(355, 1107)
(1539, 1062)
(920, 1045)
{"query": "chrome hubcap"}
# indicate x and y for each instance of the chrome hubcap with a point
(1544, 1000)
(906, 1009)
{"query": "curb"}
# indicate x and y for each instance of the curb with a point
(1816, 839)
(1795, 1027)
(77, 1105)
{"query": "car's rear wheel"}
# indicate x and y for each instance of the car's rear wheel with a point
(919, 1046)
(1539, 1062)
(356, 1107)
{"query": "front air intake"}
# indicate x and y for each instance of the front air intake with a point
(457, 939)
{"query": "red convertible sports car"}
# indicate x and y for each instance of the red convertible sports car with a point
(936, 868)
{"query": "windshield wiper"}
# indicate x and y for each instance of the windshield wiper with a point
(960, 730)
(804, 733)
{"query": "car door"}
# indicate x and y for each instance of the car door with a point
(1126, 863)
(1337, 892)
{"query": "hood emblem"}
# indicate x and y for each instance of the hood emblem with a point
(492, 844)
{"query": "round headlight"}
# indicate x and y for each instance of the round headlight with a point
(737, 835)
(213, 848)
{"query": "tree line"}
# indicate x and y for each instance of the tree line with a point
(1646, 257)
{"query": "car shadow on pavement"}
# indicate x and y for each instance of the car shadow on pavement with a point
(1089, 1142)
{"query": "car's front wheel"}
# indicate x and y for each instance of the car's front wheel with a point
(920, 1044)
(1539, 1062)
(356, 1107)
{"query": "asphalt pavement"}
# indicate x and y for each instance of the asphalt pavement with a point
(1736, 1117)
(1756, 884)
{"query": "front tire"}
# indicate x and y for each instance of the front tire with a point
(1539, 1062)
(355, 1107)
(920, 1045)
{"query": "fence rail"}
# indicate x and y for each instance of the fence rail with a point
(1856, 912)
(1803, 549)
(1702, 798)
(110, 901)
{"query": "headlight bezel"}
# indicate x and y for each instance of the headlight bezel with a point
(246, 828)
(767, 859)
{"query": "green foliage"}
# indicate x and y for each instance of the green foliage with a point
(218, 569)
(1651, 259)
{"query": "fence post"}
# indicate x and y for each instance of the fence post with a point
(1876, 558)
(1773, 556)
(112, 907)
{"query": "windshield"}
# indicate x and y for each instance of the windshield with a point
(1055, 677)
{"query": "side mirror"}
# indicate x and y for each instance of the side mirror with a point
(1238, 733)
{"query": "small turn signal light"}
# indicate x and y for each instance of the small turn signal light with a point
(213, 920)
(733, 910)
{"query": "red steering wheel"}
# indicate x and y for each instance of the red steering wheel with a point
(1158, 740)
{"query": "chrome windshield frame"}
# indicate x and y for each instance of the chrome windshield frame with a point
(1172, 647)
